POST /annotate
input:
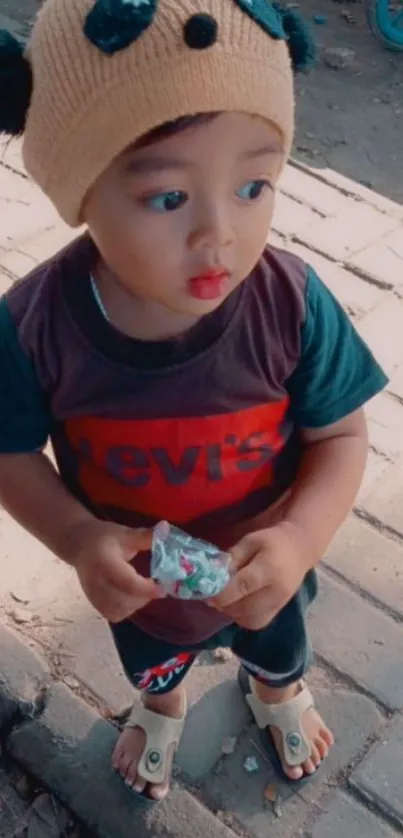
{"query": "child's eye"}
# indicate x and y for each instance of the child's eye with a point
(166, 201)
(252, 190)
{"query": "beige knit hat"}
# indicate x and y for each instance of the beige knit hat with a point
(104, 73)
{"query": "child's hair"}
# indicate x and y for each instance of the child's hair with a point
(99, 75)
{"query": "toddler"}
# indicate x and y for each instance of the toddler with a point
(182, 368)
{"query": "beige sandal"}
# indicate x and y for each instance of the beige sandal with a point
(161, 733)
(286, 718)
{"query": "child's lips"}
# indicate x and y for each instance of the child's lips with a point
(210, 285)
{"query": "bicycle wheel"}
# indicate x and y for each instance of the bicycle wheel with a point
(385, 17)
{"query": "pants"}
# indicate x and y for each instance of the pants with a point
(277, 655)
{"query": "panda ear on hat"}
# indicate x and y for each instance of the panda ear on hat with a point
(282, 22)
(15, 85)
(301, 44)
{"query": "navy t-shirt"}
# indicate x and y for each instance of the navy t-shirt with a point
(202, 430)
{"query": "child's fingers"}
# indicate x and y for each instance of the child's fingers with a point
(242, 553)
(137, 540)
(126, 579)
(248, 580)
(254, 612)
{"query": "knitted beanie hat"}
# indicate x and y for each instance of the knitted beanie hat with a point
(96, 76)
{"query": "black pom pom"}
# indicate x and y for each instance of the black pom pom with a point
(200, 31)
(15, 85)
(301, 44)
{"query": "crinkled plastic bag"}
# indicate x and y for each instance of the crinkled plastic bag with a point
(186, 567)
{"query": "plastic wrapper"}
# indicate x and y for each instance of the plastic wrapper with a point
(186, 567)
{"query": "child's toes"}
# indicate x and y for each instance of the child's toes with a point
(315, 755)
(159, 792)
(123, 765)
(327, 736)
(131, 774)
(117, 753)
(322, 747)
(293, 773)
(309, 767)
(139, 785)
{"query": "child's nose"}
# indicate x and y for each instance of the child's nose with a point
(214, 230)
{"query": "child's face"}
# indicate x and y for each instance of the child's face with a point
(183, 221)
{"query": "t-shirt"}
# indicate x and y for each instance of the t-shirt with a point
(201, 430)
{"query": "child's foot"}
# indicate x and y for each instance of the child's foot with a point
(131, 744)
(314, 728)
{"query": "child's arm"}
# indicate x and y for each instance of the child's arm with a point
(329, 477)
(33, 494)
(35, 497)
(272, 563)
(335, 375)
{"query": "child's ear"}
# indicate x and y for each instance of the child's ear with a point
(301, 43)
(15, 85)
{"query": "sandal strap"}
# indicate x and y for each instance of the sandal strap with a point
(287, 719)
(161, 733)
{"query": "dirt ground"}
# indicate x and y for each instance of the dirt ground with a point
(350, 119)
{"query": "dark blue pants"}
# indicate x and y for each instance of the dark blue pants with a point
(277, 655)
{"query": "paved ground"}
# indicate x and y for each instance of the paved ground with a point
(329, 135)
(354, 239)
(13, 807)
(29, 812)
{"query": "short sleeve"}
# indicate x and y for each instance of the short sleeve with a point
(25, 421)
(337, 372)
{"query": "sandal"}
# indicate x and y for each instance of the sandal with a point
(161, 732)
(286, 717)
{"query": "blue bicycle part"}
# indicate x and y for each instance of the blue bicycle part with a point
(385, 18)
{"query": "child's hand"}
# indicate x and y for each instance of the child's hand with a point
(101, 558)
(270, 567)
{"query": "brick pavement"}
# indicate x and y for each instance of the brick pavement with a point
(12, 807)
(26, 812)
(354, 239)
